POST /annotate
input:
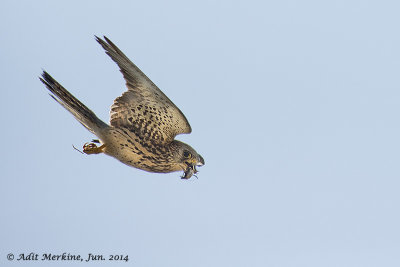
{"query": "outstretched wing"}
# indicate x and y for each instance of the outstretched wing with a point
(143, 109)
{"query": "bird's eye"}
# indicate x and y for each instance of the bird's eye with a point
(186, 154)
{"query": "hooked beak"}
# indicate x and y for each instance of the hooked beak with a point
(200, 161)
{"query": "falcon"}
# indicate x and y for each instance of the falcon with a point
(143, 122)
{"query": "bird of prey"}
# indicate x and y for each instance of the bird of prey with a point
(143, 122)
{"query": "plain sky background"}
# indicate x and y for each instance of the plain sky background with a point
(294, 105)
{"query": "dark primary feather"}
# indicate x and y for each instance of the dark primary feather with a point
(133, 75)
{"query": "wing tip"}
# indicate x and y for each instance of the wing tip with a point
(47, 80)
(106, 43)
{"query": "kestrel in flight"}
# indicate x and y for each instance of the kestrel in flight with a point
(143, 122)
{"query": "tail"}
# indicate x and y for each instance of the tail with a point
(84, 115)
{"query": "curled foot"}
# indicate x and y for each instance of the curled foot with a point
(92, 148)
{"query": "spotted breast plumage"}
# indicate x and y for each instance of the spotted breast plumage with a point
(143, 122)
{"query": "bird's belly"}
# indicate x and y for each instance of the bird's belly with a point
(123, 147)
(124, 154)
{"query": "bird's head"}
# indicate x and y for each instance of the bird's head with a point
(187, 158)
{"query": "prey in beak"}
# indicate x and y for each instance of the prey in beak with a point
(191, 168)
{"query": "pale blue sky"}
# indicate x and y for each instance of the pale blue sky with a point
(294, 106)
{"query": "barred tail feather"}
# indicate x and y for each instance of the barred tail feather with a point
(82, 113)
